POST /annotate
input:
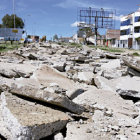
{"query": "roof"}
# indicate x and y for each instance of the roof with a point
(113, 34)
(132, 13)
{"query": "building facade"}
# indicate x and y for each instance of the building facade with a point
(113, 38)
(130, 31)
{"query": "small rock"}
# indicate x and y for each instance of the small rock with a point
(108, 113)
(88, 131)
(81, 121)
(58, 136)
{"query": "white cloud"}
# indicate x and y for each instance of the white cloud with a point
(75, 24)
(74, 3)
(82, 24)
(117, 18)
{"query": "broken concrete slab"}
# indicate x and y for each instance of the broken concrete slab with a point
(111, 74)
(103, 83)
(86, 77)
(48, 97)
(101, 99)
(77, 131)
(5, 83)
(78, 59)
(9, 70)
(112, 56)
(32, 57)
(28, 120)
(133, 72)
(60, 66)
(47, 75)
(132, 63)
(113, 64)
(3, 130)
(126, 86)
(129, 87)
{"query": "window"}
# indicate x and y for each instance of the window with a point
(137, 19)
(126, 23)
(125, 32)
(137, 29)
(113, 41)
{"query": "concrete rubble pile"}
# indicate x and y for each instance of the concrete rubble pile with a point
(55, 92)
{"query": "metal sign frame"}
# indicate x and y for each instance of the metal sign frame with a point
(96, 18)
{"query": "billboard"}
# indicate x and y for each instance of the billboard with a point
(11, 33)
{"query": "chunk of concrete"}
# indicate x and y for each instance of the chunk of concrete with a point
(32, 57)
(48, 97)
(74, 93)
(107, 99)
(60, 66)
(133, 72)
(9, 70)
(28, 120)
(103, 83)
(3, 129)
(111, 74)
(132, 63)
(76, 131)
(129, 87)
(112, 64)
(86, 77)
(46, 75)
(59, 136)
(112, 56)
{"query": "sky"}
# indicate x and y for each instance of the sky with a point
(49, 17)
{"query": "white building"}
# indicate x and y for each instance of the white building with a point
(130, 31)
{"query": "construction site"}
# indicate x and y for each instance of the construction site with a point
(80, 87)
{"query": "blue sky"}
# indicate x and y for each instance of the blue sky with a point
(49, 17)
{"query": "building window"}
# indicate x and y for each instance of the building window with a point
(125, 32)
(113, 41)
(138, 42)
(137, 19)
(126, 23)
(137, 29)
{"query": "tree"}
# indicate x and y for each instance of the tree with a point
(8, 21)
(55, 37)
(87, 31)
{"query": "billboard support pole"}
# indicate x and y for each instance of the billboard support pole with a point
(95, 19)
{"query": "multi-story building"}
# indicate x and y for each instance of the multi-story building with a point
(113, 38)
(130, 31)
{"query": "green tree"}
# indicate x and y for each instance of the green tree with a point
(8, 21)
(55, 37)
(87, 31)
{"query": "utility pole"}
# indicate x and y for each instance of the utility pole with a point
(14, 13)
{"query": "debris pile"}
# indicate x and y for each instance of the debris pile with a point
(51, 91)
